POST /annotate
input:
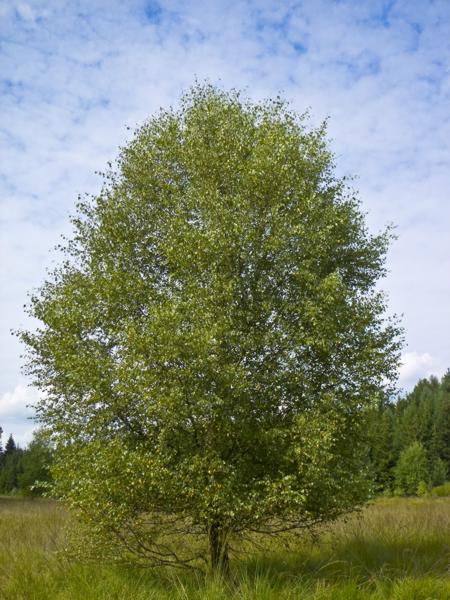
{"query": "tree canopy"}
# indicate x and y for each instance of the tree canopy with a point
(212, 343)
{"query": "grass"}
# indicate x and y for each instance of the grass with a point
(395, 549)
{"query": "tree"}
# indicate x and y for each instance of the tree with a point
(10, 467)
(382, 454)
(214, 340)
(441, 426)
(422, 416)
(412, 469)
(439, 472)
(34, 468)
(10, 446)
(26, 471)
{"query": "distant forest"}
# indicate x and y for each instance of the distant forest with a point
(25, 471)
(409, 446)
(410, 439)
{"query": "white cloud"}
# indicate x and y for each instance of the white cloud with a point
(22, 431)
(415, 366)
(18, 403)
(16, 414)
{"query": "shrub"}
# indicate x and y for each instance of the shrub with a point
(412, 468)
(422, 489)
(441, 490)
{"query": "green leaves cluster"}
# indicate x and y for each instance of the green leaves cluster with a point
(211, 346)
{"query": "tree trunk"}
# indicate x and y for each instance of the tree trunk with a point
(218, 547)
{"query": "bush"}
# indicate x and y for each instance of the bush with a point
(412, 469)
(422, 489)
(441, 490)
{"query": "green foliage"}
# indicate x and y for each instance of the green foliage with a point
(423, 489)
(213, 344)
(412, 469)
(26, 471)
(382, 453)
(441, 490)
(422, 416)
(35, 466)
(10, 469)
(439, 472)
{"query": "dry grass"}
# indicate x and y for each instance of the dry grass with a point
(395, 549)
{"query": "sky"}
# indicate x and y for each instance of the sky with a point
(74, 75)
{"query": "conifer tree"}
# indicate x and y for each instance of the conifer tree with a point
(11, 467)
(439, 471)
(382, 454)
(35, 466)
(10, 446)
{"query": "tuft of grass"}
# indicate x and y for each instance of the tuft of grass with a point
(396, 549)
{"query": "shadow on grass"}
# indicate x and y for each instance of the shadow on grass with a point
(361, 561)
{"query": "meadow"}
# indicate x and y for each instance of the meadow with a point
(395, 548)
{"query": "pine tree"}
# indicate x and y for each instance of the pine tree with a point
(11, 469)
(10, 446)
(445, 382)
(422, 416)
(439, 472)
(382, 456)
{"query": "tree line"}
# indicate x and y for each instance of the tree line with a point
(409, 446)
(25, 471)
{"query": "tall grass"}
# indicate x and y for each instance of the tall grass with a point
(395, 549)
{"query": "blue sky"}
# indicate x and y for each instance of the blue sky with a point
(75, 74)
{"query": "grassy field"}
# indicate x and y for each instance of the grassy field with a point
(396, 548)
